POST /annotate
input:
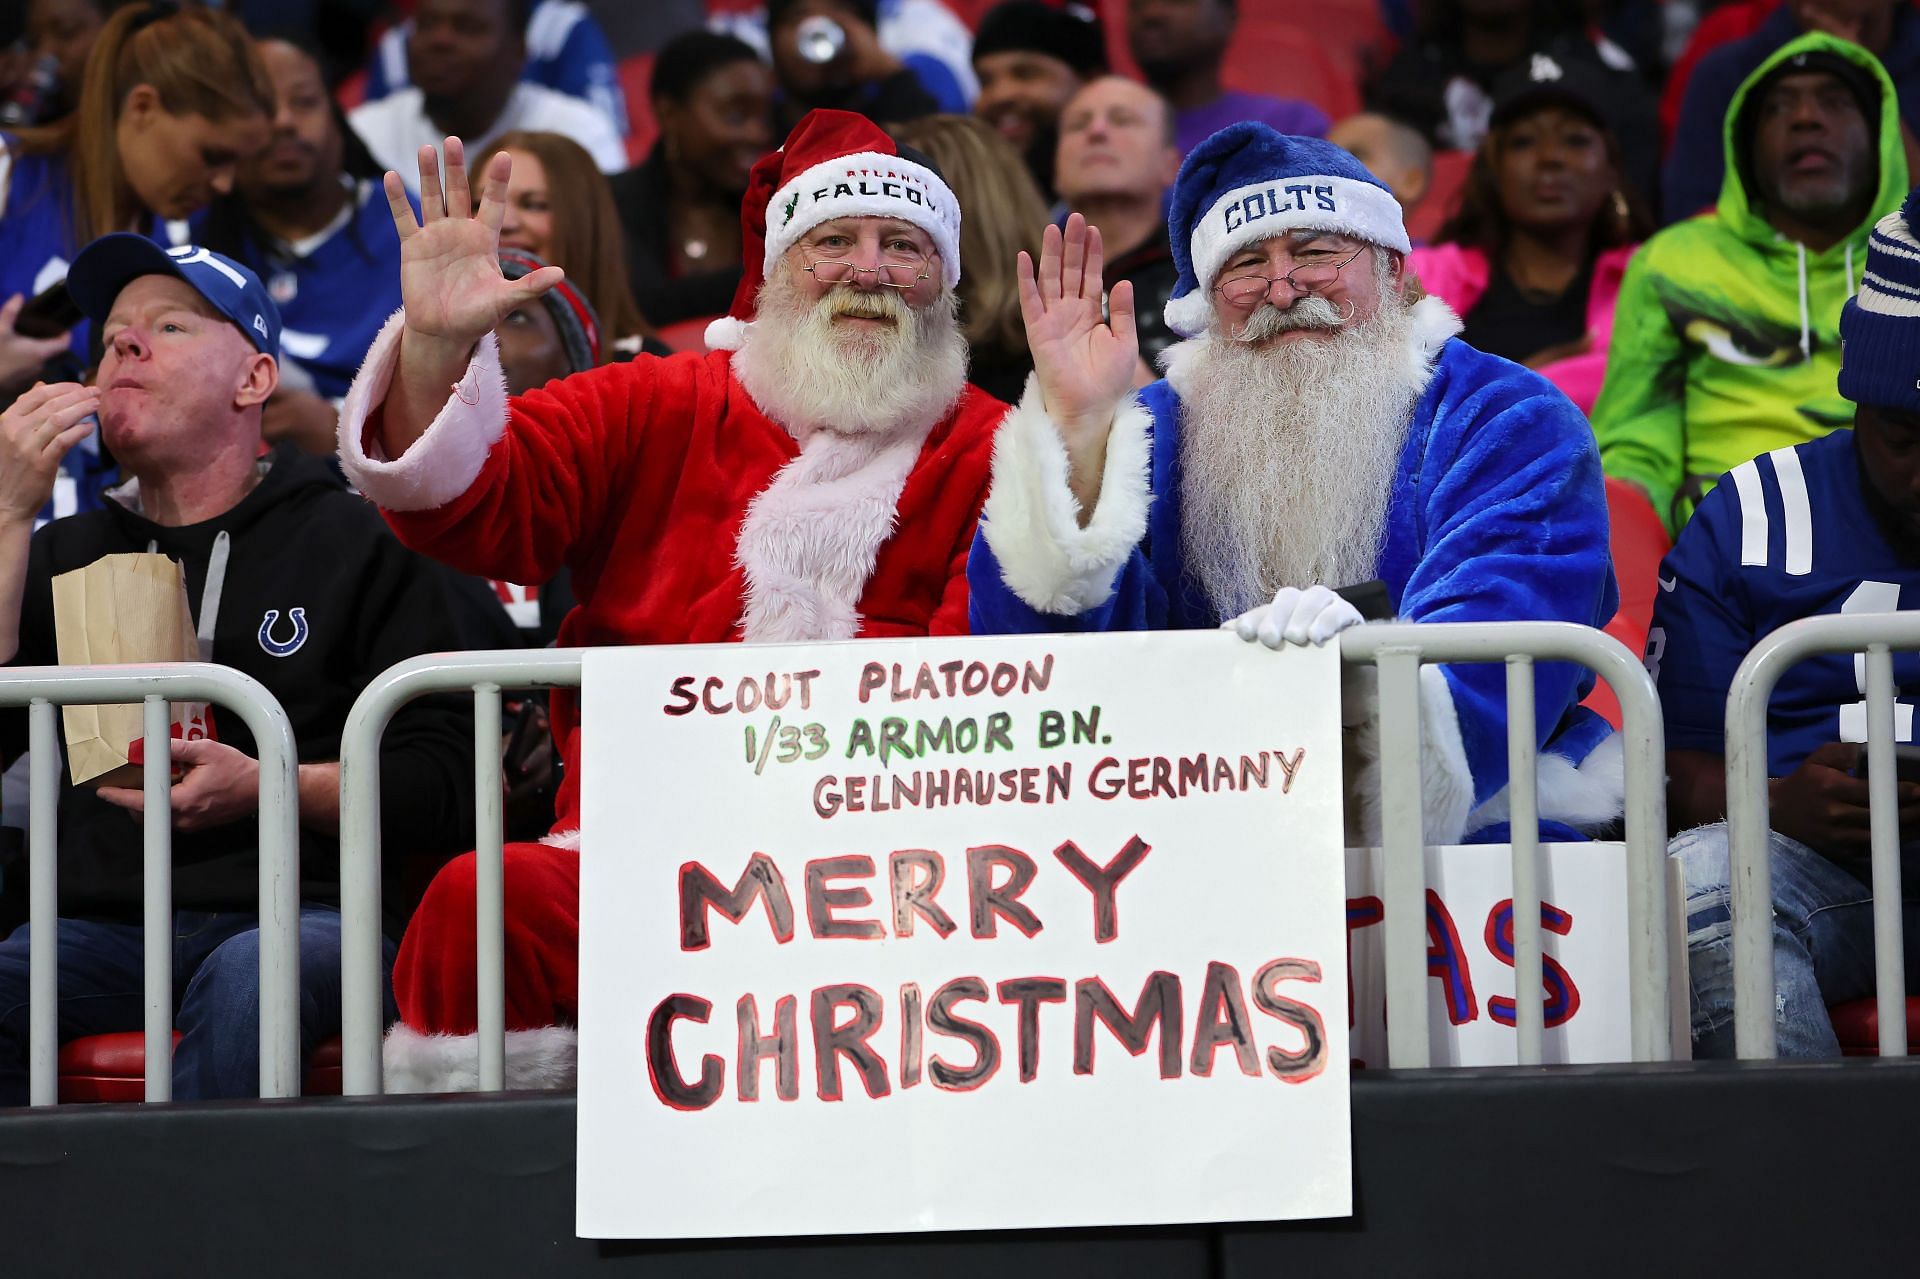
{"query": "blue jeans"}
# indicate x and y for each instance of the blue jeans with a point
(1822, 942)
(216, 988)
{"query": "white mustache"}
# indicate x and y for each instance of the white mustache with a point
(1309, 312)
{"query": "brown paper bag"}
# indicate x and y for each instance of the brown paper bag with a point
(122, 610)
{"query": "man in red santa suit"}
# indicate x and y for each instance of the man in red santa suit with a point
(816, 477)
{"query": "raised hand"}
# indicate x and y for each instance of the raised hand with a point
(450, 278)
(1084, 360)
(35, 433)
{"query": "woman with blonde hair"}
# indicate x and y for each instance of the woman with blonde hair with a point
(172, 101)
(1001, 213)
(560, 209)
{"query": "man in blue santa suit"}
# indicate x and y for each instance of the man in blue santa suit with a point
(1320, 427)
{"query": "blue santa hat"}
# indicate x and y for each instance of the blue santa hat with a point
(1880, 325)
(1248, 183)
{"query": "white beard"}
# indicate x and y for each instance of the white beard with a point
(809, 376)
(1288, 451)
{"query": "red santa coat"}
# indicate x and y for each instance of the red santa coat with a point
(687, 516)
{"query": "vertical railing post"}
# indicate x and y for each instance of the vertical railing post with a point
(489, 888)
(43, 905)
(1889, 950)
(157, 898)
(1529, 1009)
(1403, 857)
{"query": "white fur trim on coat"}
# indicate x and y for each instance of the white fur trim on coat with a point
(1587, 796)
(1446, 783)
(412, 1062)
(811, 538)
(870, 185)
(444, 462)
(567, 839)
(1032, 520)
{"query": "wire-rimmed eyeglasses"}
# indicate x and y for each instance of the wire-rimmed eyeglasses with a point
(896, 272)
(1322, 268)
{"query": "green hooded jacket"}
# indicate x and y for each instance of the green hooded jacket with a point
(1726, 337)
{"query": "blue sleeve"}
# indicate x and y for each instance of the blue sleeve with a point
(584, 68)
(1138, 601)
(1515, 527)
(1696, 159)
(1702, 628)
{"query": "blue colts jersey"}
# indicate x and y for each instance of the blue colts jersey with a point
(1785, 536)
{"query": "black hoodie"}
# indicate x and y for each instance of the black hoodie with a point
(299, 547)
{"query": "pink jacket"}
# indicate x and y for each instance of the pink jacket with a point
(1458, 275)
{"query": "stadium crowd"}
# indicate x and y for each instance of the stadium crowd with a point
(816, 319)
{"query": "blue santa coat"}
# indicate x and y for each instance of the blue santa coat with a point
(1498, 513)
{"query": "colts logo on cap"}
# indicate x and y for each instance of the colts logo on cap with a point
(1275, 201)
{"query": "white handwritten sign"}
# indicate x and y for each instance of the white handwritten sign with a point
(1469, 928)
(961, 934)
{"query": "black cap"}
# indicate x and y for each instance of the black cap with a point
(1071, 33)
(1859, 81)
(1551, 80)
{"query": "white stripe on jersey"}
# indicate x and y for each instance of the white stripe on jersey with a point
(1753, 514)
(1793, 498)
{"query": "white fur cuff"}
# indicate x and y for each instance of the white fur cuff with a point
(444, 462)
(1446, 783)
(413, 1062)
(1032, 521)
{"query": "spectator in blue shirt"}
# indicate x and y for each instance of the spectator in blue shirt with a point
(172, 102)
(311, 220)
(566, 52)
(1828, 527)
(1696, 162)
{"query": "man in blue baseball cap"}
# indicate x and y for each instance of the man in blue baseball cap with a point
(291, 580)
(1322, 427)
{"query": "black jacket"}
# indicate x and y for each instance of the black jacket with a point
(298, 544)
(640, 194)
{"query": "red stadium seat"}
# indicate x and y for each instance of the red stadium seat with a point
(1286, 62)
(113, 1068)
(636, 74)
(1443, 195)
(1857, 1025)
(1639, 542)
(687, 335)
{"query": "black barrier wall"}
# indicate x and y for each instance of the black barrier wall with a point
(1736, 1169)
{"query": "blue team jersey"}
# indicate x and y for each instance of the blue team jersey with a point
(1785, 536)
(334, 291)
(566, 52)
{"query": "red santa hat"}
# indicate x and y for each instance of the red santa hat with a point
(835, 164)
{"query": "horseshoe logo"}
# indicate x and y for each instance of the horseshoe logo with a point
(288, 647)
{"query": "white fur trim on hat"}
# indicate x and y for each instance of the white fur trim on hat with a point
(866, 184)
(1249, 214)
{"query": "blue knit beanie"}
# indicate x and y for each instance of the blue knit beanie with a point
(1880, 325)
(1248, 183)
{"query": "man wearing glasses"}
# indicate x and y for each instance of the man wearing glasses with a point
(1319, 428)
(816, 477)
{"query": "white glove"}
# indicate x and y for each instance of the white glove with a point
(1312, 616)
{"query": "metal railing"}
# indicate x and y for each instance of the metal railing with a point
(42, 688)
(1749, 826)
(1399, 650)
(361, 1008)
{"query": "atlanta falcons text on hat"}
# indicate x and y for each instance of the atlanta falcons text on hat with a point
(891, 184)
